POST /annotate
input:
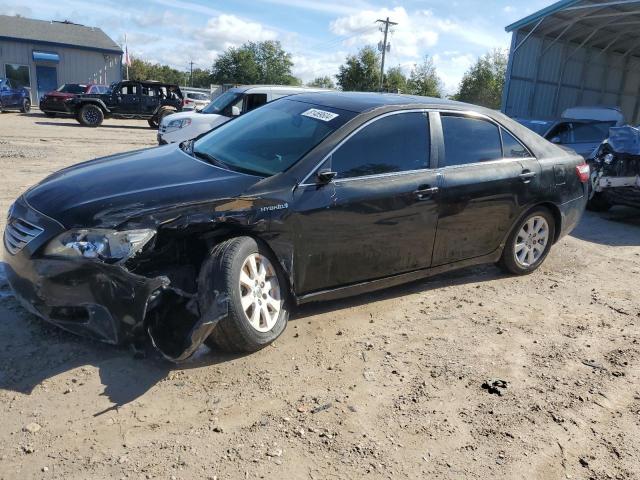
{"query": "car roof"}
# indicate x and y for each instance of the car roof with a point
(359, 102)
(286, 88)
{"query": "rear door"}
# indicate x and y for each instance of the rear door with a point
(483, 189)
(378, 216)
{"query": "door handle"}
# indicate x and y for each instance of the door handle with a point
(425, 193)
(526, 176)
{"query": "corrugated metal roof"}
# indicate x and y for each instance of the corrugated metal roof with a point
(59, 33)
(610, 25)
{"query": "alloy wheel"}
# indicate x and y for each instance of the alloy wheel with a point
(260, 294)
(531, 241)
(91, 116)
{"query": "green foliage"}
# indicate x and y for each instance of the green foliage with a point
(424, 79)
(143, 70)
(395, 81)
(255, 63)
(322, 82)
(483, 83)
(360, 72)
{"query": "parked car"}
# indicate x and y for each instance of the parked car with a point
(615, 170)
(194, 100)
(129, 99)
(53, 103)
(581, 128)
(13, 98)
(232, 103)
(312, 197)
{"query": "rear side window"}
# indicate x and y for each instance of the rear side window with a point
(255, 100)
(395, 143)
(469, 140)
(511, 147)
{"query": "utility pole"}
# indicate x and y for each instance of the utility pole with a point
(383, 47)
(191, 73)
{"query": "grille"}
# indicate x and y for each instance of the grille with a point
(18, 234)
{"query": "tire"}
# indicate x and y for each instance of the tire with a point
(156, 120)
(221, 274)
(516, 260)
(598, 203)
(90, 115)
(26, 106)
(50, 114)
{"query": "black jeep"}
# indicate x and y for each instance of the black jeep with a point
(131, 99)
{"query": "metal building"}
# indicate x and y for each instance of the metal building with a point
(43, 55)
(575, 53)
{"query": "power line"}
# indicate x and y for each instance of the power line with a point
(384, 47)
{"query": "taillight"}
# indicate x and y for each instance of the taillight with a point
(582, 171)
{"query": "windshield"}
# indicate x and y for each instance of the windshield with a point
(269, 139)
(72, 88)
(222, 102)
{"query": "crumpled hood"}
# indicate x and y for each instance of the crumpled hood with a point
(112, 190)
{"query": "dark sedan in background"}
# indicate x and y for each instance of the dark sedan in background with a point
(54, 103)
(311, 197)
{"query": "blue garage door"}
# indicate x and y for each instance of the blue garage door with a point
(47, 78)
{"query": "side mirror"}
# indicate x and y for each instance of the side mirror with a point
(555, 140)
(235, 111)
(326, 175)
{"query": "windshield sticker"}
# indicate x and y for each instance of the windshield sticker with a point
(320, 114)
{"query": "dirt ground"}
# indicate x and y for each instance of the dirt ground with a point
(387, 385)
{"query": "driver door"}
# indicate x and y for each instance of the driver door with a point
(378, 216)
(127, 99)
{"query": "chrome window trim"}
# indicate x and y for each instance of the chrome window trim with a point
(463, 113)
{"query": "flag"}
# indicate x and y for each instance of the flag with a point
(127, 59)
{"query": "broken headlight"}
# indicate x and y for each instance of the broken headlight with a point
(180, 123)
(107, 245)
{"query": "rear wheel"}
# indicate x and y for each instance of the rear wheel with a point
(529, 243)
(90, 116)
(26, 106)
(245, 272)
(156, 120)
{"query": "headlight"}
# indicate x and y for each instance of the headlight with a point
(184, 122)
(609, 158)
(107, 245)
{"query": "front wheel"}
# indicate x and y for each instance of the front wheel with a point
(246, 273)
(26, 106)
(90, 116)
(529, 243)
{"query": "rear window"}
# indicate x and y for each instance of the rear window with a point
(469, 140)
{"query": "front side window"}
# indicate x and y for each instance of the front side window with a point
(469, 140)
(395, 143)
(74, 88)
(255, 100)
(129, 90)
(270, 139)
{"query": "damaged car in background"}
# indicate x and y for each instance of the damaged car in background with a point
(312, 197)
(615, 170)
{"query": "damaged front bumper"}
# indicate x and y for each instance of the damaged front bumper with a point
(102, 301)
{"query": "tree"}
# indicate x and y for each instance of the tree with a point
(253, 63)
(360, 72)
(424, 79)
(395, 81)
(483, 83)
(322, 82)
(143, 70)
(201, 78)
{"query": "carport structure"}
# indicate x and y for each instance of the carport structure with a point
(573, 53)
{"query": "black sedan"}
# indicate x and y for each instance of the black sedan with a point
(311, 197)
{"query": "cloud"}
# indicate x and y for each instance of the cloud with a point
(322, 6)
(408, 39)
(307, 67)
(451, 66)
(226, 31)
(10, 9)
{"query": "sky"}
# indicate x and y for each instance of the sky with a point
(318, 33)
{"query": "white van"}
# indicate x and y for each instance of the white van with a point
(182, 126)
